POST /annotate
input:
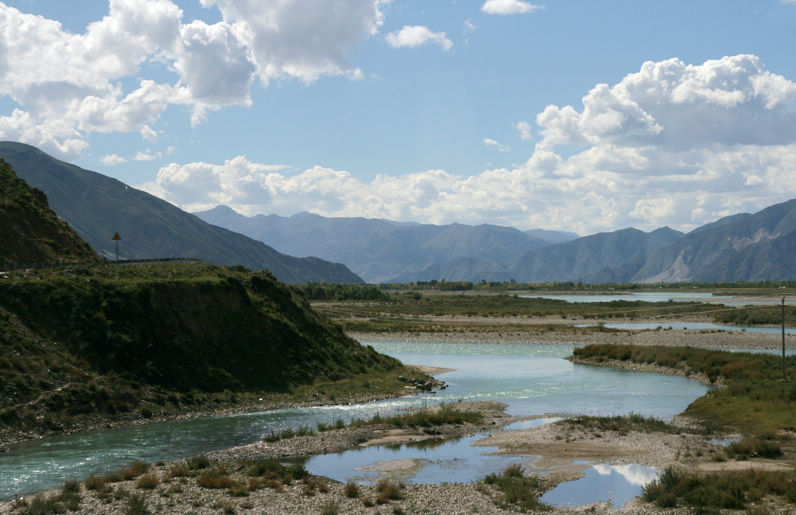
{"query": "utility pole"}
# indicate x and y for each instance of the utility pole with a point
(116, 238)
(783, 339)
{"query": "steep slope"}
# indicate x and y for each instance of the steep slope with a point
(581, 259)
(385, 251)
(30, 231)
(104, 339)
(96, 206)
(743, 247)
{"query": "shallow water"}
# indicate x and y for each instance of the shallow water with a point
(455, 461)
(602, 482)
(653, 296)
(531, 379)
(644, 296)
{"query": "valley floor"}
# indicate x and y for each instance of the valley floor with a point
(510, 332)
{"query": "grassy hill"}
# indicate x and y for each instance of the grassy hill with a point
(30, 231)
(96, 207)
(112, 340)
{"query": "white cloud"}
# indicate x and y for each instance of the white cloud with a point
(733, 100)
(417, 35)
(147, 155)
(629, 172)
(489, 142)
(148, 134)
(112, 160)
(69, 85)
(214, 63)
(301, 39)
(506, 7)
(524, 128)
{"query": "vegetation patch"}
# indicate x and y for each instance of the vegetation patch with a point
(520, 492)
(446, 414)
(98, 342)
(622, 424)
(734, 490)
(388, 491)
(754, 400)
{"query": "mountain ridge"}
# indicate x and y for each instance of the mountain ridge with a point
(383, 250)
(151, 227)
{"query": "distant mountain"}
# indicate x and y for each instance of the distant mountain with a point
(386, 251)
(743, 247)
(30, 231)
(582, 259)
(96, 206)
(552, 236)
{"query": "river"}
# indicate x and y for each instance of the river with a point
(530, 379)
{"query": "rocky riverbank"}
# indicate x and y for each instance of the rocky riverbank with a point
(259, 478)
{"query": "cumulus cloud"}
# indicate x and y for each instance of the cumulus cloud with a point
(524, 128)
(68, 85)
(147, 155)
(500, 147)
(733, 100)
(301, 39)
(629, 167)
(418, 35)
(112, 160)
(506, 7)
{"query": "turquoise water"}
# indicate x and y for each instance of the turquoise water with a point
(531, 379)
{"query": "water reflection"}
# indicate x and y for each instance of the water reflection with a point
(454, 461)
(531, 379)
(616, 484)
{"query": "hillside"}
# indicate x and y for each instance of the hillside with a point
(111, 340)
(96, 206)
(30, 231)
(386, 251)
(742, 247)
(582, 259)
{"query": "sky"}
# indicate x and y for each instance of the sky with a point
(573, 115)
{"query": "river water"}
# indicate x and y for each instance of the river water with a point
(531, 379)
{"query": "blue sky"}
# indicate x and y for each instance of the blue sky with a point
(488, 111)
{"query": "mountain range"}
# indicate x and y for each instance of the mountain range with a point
(97, 206)
(743, 247)
(385, 251)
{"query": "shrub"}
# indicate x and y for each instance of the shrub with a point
(239, 489)
(330, 508)
(136, 505)
(71, 487)
(266, 467)
(388, 491)
(215, 478)
(42, 505)
(96, 484)
(147, 482)
(518, 490)
(198, 462)
(351, 490)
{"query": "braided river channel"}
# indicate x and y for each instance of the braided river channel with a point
(530, 379)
